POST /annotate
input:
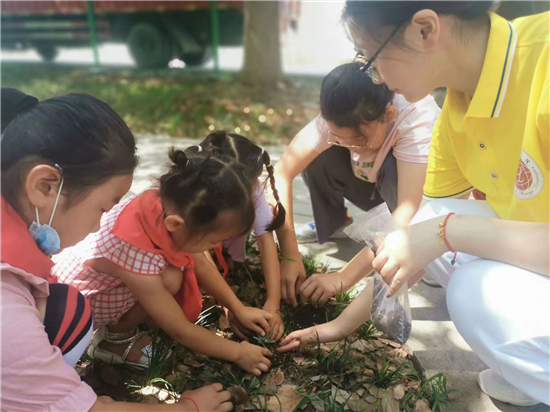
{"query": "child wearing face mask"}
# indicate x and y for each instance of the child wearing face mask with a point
(148, 259)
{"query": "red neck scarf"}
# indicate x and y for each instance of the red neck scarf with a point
(18, 248)
(141, 224)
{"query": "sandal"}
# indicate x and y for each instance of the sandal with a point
(130, 338)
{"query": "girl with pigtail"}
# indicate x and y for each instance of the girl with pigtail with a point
(267, 219)
(147, 260)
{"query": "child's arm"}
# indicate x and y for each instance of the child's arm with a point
(210, 279)
(272, 275)
(167, 314)
(357, 313)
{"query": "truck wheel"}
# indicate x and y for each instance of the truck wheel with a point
(47, 52)
(197, 58)
(150, 47)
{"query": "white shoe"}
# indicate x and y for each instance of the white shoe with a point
(498, 388)
(308, 233)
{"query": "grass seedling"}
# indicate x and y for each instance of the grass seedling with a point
(209, 316)
(252, 387)
(434, 390)
(367, 331)
(313, 265)
(265, 340)
(388, 375)
(335, 307)
(289, 319)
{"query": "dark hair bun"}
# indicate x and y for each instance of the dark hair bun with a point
(179, 158)
(218, 138)
(14, 103)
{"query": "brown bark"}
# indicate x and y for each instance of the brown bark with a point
(262, 57)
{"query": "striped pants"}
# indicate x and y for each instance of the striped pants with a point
(68, 321)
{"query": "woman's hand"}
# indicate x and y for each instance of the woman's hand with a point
(293, 274)
(301, 338)
(254, 319)
(253, 358)
(276, 325)
(321, 287)
(404, 252)
(208, 398)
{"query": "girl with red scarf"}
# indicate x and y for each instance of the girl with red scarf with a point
(148, 259)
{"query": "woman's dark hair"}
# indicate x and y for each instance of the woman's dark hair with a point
(79, 133)
(200, 186)
(254, 158)
(350, 98)
(371, 17)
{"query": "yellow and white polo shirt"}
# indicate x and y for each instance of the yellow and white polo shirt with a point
(499, 141)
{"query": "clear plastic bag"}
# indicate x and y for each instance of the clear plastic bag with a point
(391, 316)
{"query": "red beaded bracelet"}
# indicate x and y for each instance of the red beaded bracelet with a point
(192, 400)
(443, 234)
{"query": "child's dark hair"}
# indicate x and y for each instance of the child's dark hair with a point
(350, 98)
(254, 158)
(200, 186)
(370, 17)
(79, 133)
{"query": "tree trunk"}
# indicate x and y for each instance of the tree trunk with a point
(262, 49)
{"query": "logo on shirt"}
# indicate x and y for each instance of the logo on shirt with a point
(529, 180)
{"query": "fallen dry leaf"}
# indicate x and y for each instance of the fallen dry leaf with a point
(279, 377)
(422, 406)
(298, 359)
(223, 322)
(339, 395)
(399, 392)
(319, 406)
(368, 372)
(390, 342)
(358, 405)
(389, 403)
(182, 368)
(288, 399)
(238, 395)
(273, 380)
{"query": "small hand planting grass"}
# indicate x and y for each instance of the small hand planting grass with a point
(364, 372)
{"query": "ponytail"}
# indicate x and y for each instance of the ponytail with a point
(279, 212)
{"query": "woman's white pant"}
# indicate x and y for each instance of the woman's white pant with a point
(501, 311)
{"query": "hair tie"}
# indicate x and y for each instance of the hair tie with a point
(269, 165)
(199, 148)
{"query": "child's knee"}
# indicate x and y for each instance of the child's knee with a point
(172, 278)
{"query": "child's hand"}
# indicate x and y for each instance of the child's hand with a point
(327, 332)
(299, 339)
(208, 398)
(276, 325)
(254, 319)
(253, 358)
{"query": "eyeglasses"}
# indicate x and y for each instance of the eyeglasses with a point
(372, 72)
(352, 146)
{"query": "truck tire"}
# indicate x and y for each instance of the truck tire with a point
(47, 52)
(150, 47)
(197, 58)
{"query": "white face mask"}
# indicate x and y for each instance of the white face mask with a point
(45, 236)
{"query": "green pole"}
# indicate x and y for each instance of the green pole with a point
(90, 8)
(215, 34)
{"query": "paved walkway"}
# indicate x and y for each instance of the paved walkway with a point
(434, 339)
